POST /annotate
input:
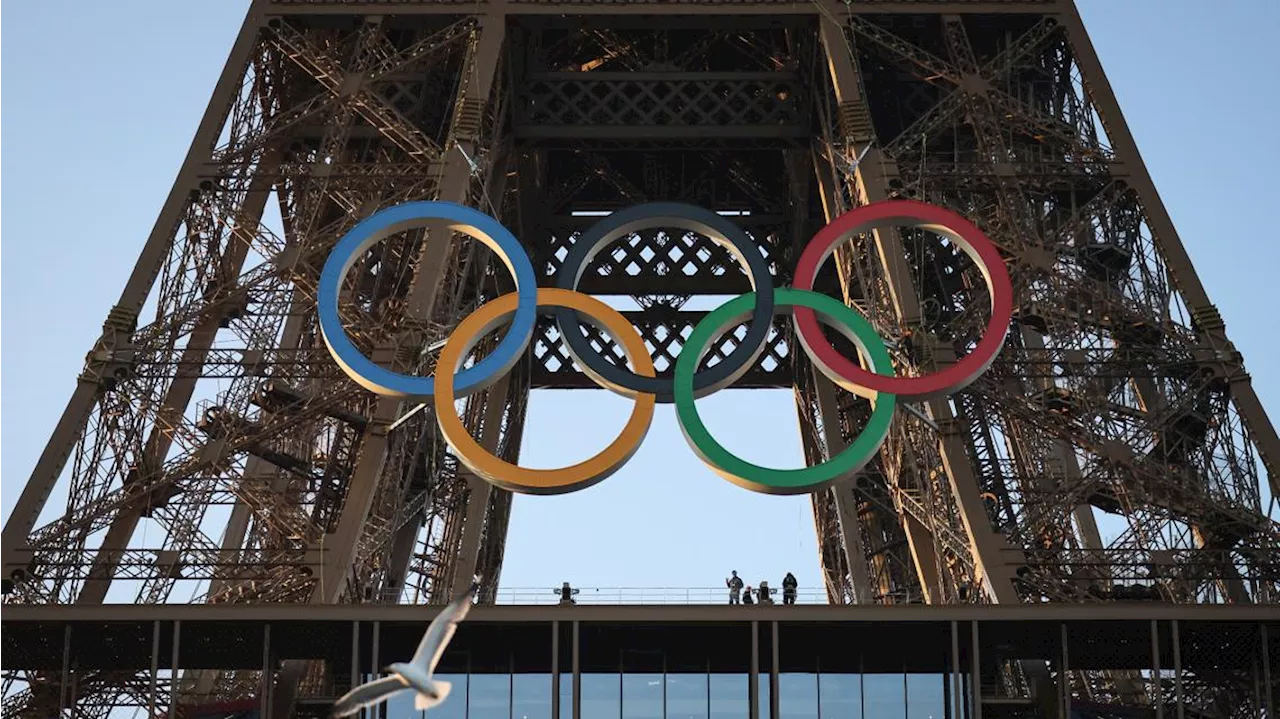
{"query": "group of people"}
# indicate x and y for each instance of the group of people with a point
(740, 593)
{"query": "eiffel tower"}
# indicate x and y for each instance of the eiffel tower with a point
(1118, 398)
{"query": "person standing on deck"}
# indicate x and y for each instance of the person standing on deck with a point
(789, 585)
(734, 583)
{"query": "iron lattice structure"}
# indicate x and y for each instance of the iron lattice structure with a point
(213, 452)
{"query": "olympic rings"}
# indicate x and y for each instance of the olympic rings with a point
(520, 309)
(382, 225)
(685, 217)
(783, 481)
(935, 219)
(541, 481)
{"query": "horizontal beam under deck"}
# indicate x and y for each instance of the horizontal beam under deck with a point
(643, 7)
(1116, 612)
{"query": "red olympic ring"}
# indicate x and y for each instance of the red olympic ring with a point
(906, 213)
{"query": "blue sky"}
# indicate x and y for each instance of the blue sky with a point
(103, 99)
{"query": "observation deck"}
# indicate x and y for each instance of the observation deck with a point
(571, 660)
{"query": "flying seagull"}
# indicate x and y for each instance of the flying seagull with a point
(416, 673)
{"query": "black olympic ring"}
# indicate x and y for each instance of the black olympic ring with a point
(684, 217)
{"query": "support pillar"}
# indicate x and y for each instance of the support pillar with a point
(1177, 671)
(1267, 683)
(957, 682)
(64, 684)
(155, 667)
(753, 676)
(555, 670)
(173, 669)
(775, 711)
(975, 671)
(1155, 669)
(268, 680)
(577, 675)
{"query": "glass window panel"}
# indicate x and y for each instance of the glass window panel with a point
(884, 696)
(400, 706)
(641, 696)
(566, 696)
(453, 707)
(728, 695)
(687, 696)
(840, 696)
(490, 697)
(601, 696)
(925, 697)
(531, 696)
(766, 705)
(798, 695)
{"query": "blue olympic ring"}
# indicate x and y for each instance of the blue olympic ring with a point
(382, 225)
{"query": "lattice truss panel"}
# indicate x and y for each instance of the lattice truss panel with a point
(612, 116)
(1110, 453)
(208, 450)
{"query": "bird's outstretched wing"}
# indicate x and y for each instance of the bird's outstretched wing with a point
(366, 694)
(441, 631)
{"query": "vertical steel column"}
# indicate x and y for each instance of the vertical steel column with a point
(1257, 685)
(355, 654)
(555, 669)
(577, 675)
(1177, 670)
(906, 697)
(862, 684)
(957, 686)
(155, 666)
(267, 679)
(65, 684)
(753, 676)
(173, 669)
(975, 671)
(774, 701)
(946, 697)
(1155, 668)
(374, 662)
(1064, 676)
(1266, 673)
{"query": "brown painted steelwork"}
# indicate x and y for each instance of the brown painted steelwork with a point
(1118, 396)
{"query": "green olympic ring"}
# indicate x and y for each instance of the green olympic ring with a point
(834, 313)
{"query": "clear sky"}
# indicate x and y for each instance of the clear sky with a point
(103, 99)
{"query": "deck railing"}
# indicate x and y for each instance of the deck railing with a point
(644, 595)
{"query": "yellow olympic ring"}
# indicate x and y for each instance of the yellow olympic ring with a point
(543, 481)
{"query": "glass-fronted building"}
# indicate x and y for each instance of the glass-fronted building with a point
(1105, 661)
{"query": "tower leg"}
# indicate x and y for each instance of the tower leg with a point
(987, 547)
(455, 185)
